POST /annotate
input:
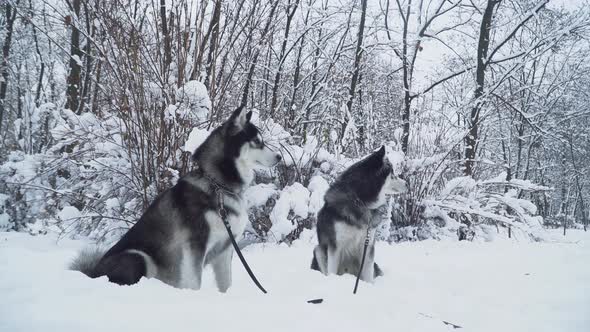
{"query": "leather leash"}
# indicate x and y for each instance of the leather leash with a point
(358, 276)
(223, 214)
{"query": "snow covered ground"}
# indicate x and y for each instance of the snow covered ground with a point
(498, 286)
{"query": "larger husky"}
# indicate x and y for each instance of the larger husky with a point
(182, 231)
(351, 205)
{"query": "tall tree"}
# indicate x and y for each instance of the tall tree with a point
(291, 9)
(10, 12)
(210, 66)
(73, 80)
(482, 55)
(411, 45)
(257, 51)
(167, 37)
(483, 62)
(356, 73)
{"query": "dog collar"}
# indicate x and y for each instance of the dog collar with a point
(217, 186)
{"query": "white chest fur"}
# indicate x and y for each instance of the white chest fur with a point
(237, 217)
(191, 275)
(351, 239)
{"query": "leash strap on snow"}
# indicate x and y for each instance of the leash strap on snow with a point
(223, 214)
(358, 276)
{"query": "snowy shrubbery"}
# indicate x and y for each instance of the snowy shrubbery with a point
(109, 121)
(462, 204)
(92, 177)
(442, 203)
(93, 174)
(493, 202)
(80, 182)
(84, 184)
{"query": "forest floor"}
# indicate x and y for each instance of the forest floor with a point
(494, 286)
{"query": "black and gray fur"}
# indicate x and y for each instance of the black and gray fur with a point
(351, 205)
(181, 231)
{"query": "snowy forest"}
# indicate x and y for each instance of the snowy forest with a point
(483, 106)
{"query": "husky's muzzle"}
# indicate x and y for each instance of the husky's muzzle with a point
(397, 185)
(267, 157)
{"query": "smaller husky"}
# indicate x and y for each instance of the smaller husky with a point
(182, 231)
(351, 205)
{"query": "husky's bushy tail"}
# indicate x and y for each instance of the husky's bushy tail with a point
(86, 261)
(124, 268)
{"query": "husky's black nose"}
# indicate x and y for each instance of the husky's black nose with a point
(278, 157)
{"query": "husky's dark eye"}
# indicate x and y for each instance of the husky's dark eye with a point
(257, 141)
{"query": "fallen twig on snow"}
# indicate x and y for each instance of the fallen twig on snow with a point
(455, 326)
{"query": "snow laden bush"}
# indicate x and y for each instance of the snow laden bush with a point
(441, 201)
(480, 206)
(282, 209)
(94, 173)
(284, 201)
(494, 202)
(79, 182)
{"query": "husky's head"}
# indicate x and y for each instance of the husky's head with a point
(393, 184)
(371, 179)
(233, 149)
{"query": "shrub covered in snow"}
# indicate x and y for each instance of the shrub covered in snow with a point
(92, 177)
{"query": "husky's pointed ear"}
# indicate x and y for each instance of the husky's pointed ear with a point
(381, 152)
(249, 116)
(238, 117)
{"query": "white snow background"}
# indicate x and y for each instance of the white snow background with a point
(481, 286)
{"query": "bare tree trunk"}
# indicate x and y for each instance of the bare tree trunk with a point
(563, 208)
(222, 81)
(42, 70)
(84, 98)
(44, 135)
(167, 38)
(10, 17)
(198, 56)
(314, 83)
(96, 89)
(282, 56)
(73, 80)
(520, 138)
(252, 68)
(210, 66)
(578, 185)
(290, 118)
(482, 53)
(406, 80)
(19, 105)
(355, 73)
(508, 177)
(266, 73)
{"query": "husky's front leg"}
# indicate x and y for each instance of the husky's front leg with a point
(222, 269)
(321, 259)
(333, 260)
(191, 269)
(368, 272)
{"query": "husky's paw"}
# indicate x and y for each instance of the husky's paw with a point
(377, 271)
(314, 264)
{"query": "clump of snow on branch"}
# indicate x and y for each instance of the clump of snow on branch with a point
(193, 100)
(318, 186)
(259, 194)
(294, 200)
(491, 201)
